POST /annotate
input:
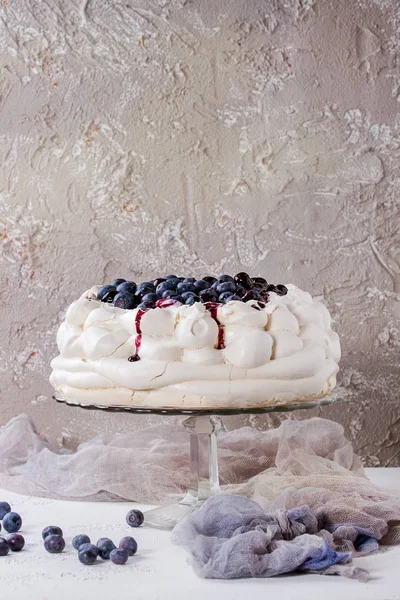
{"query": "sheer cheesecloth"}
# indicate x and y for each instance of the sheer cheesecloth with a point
(301, 463)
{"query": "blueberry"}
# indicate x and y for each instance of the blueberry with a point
(127, 286)
(282, 289)
(129, 544)
(119, 556)
(88, 554)
(117, 282)
(224, 297)
(185, 287)
(208, 295)
(150, 297)
(125, 300)
(215, 285)
(271, 288)
(249, 295)
(170, 277)
(209, 279)
(177, 298)
(135, 517)
(226, 286)
(187, 295)
(16, 542)
(145, 288)
(189, 280)
(200, 284)
(105, 546)
(4, 547)
(168, 293)
(106, 293)
(191, 300)
(157, 281)
(163, 286)
(4, 509)
(223, 278)
(260, 282)
(52, 530)
(80, 539)
(12, 522)
(233, 297)
(244, 279)
(240, 290)
(146, 304)
(54, 544)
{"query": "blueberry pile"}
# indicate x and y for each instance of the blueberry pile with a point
(187, 290)
(11, 522)
(105, 548)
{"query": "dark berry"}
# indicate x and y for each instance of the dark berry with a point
(150, 297)
(124, 300)
(135, 517)
(54, 544)
(4, 547)
(260, 282)
(119, 556)
(201, 284)
(189, 280)
(185, 287)
(16, 542)
(170, 277)
(210, 280)
(244, 279)
(224, 297)
(240, 290)
(157, 282)
(226, 286)
(145, 288)
(249, 295)
(214, 285)
(168, 293)
(163, 286)
(282, 289)
(127, 286)
(232, 297)
(187, 295)
(261, 304)
(105, 546)
(134, 358)
(80, 539)
(146, 304)
(106, 293)
(177, 298)
(4, 509)
(88, 554)
(192, 300)
(208, 295)
(117, 282)
(52, 530)
(12, 522)
(129, 544)
(223, 278)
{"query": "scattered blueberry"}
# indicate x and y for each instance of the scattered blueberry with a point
(54, 544)
(117, 282)
(124, 300)
(16, 542)
(4, 509)
(129, 544)
(52, 530)
(80, 539)
(135, 518)
(127, 286)
(12, 522)
(4, 547)
(119, 556)
(88, 554)
(105, 547)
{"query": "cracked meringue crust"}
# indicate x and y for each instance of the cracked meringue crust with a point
(279, 354)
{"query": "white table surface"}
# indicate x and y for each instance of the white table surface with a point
(160, 570)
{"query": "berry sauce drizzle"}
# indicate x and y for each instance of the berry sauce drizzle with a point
(212, 308)
(138, 339)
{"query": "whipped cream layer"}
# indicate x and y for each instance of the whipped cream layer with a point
(192, 357)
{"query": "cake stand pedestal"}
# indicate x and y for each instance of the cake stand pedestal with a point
(203, 426)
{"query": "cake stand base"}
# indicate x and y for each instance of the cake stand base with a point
(204, 480)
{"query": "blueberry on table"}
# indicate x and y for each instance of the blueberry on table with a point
(12, 522)
(88, 554)
(117, 282)
(127, 286)
(119, 556)
(52, 530)
(16, 542)
(4, 547)
(105, 547)
(80, 539)
(4, 509)
(54, 544)
(135, 518)
(244, 279)
(124, 300)
(104, 291)
(129, 544)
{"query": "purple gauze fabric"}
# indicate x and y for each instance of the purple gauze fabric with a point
(231, 537)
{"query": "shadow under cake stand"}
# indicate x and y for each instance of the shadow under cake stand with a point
(202, 425)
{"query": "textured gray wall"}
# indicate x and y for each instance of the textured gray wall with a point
(196, 136)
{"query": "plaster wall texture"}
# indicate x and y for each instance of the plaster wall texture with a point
(145, 136)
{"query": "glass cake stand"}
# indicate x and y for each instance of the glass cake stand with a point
(203, 426)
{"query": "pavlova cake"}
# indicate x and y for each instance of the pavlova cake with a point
(228, 342)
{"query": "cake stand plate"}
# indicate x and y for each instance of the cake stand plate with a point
(203, 426)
